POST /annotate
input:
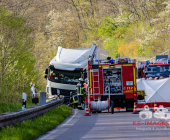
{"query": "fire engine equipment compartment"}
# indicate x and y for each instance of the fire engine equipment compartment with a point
(112, 81)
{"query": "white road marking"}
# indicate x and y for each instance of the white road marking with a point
(60, 126)
(166, 128)
(70, 119)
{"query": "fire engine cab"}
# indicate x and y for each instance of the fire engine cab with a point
(112, 83)
(158, 69)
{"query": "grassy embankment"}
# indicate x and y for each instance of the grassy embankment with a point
(31, 129)
(10, 107)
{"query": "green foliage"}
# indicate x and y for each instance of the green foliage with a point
(31, 129)
(17, 59)
(25, 53)
(111, 32)
(10, 107)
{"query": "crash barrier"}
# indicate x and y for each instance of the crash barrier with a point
(21, 115)
(42, 98)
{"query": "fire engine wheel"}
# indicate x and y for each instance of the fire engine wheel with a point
(112, 107)
(129, 109)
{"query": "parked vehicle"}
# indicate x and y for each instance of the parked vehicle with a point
(158, 69)
(112, 83)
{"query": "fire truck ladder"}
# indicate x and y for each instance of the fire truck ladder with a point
(96, 86)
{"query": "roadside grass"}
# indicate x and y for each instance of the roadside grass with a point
(31, 129)
(10, 107)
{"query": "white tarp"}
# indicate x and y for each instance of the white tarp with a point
(155, 90)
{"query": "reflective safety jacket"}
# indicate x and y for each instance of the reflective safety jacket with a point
(80, 89)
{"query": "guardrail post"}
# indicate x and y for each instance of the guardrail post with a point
(42, 98)
(24, 99)
(58, 93)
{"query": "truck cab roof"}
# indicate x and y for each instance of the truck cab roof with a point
(69, 59)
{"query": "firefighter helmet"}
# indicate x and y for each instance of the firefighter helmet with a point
(86, 80)
(80, 79)
(150, 78)
(156, 78)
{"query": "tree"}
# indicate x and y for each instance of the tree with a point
(16, 59)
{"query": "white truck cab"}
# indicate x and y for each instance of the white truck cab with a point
(67, 67)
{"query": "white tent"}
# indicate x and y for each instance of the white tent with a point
(155, 90)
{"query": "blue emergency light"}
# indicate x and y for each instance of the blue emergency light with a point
(168, 61)
(147, 62)
(112, 61)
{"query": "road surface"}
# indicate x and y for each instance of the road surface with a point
(118, 126)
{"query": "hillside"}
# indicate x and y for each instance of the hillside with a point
(31, 31)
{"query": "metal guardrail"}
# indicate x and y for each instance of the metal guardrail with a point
(21, 115)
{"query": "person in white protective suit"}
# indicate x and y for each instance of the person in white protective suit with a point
(33, 90)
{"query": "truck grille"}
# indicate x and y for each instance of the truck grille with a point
(66, 93)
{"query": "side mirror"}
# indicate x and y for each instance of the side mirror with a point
(46, 71)
(45, 76)
(51, 67)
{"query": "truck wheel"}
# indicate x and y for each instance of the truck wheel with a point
(112, 107)
(127, 109)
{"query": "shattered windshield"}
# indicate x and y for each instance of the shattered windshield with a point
(161, 70)
(67, 77)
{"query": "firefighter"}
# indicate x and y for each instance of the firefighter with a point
(86, 86)
(81, 92)
(73, 99)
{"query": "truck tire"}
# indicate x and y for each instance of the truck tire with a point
(112, 107)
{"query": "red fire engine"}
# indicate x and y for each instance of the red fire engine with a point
(160, 68)
(112, 83)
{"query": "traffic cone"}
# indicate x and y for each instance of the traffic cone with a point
(108, 105)
(155, 107)
(134, 109)
(87, 111)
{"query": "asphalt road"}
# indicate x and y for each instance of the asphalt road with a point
(118, 126)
